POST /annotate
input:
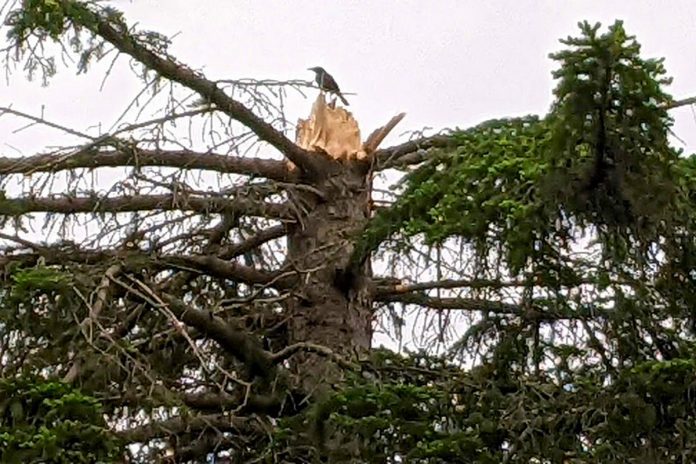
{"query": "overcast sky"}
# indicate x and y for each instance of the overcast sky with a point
(445, 63)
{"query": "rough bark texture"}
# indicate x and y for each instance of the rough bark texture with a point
(328, 310)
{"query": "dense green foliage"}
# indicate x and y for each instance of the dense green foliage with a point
(40, 420)
(599, 160)
(591, 210)
(52, 423)
(426, 411)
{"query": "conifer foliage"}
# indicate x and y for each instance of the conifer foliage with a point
(198, 323)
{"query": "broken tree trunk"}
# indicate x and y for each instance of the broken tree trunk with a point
(326, 310)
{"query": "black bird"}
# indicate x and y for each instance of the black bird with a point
(327, 83)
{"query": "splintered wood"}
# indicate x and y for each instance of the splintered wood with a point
(334, 132)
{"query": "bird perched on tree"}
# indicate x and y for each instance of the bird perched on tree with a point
(326, 82)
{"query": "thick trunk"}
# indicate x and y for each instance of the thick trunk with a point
(326, 310)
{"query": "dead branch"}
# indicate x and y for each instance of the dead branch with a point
(380, 134)
(407, 153)
(400, 288)
(205, 401)
(237, 249)
(184, 159)
(71, 205)
(462, 304)
(94, 312)
(168, 68)
(289, 351)
(217, 267)
(234, 340)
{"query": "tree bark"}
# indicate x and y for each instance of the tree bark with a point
(327, 310)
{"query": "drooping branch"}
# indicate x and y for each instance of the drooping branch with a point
(168, 202)
(183, 159)
(116, 33)
(234, 340)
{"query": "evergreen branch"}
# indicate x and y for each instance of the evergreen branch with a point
(181, 424)
(416, 151)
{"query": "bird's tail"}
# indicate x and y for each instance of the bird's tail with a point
(343, 99)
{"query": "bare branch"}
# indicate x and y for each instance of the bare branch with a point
(252, 242)
(94, 312)
(42, 121)
(183, 159)
(463, 304)
(223, 401)
(376, 137)
(229, 270)
(532, 311)
(168, 68)
(680, 103)
(407, 153)
(289, 351)
(72, 205)
(400, 288)
(234, 340)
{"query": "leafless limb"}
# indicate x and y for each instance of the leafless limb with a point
(168, 68)
(73, 205)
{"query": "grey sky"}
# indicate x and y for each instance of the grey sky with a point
(445, 63)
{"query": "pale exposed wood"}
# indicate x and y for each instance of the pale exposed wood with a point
(335, 133)
(380, 134)
(331, 130)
